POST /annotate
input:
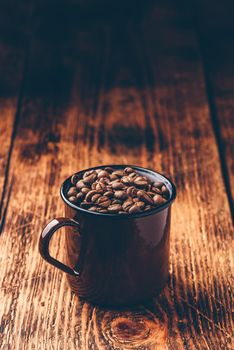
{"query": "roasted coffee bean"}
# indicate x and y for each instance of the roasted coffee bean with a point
(140, 182)
(92, 208)
(74, 179)
(113, 177)
(159, 200)
(90, 179)
(72, 191)
(102, 199)
(117, 185)
(105, 204)
(109, 169)
(136, 199)
(109, 194)
(127, 204)
(80, 196)
(132, 175)
(72, 199)
(120, 194)
(147, 207)
(100, 187)
(156, 190)
(89, 195)
(131, 191)
(121, 191)
(104, 180)
(158, 184)
(140, 204)
(116, 201)
(134, 209)
(86, 205)
(95, 197)
(127, 180)
(145, 197)
(80, 184)
(164, 190)
(118, 173)
(114, 208)
(104, 211)
(85, 190)
(103, 173)
(128, 170)
(89, 172)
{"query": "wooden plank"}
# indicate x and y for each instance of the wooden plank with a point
(133, 94)
(11, 72)
(216, 42)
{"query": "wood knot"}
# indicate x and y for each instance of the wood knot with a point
(133, 329)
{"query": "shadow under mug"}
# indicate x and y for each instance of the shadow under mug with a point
(114, 259)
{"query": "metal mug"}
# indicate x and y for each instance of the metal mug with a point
(114, 259)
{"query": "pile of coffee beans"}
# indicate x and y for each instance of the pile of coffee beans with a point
(121, 191)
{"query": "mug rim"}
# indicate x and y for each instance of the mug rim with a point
(126, 216)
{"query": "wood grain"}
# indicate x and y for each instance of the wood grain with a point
(129, 93)
(216, 42)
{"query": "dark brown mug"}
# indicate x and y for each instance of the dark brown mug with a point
(114, 259)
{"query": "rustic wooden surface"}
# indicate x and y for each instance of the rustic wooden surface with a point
(140, 90)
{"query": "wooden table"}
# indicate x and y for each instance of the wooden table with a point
(153, 88)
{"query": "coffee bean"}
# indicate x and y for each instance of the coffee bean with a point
(136, 199)
(139, 181)
(74, 179)
(109, 169)
(92, 208)
(156, 190)
(80, 196)
(128, 170)
(118, 173)
(104, 180)
(72, 191)
(134, 209)
(85, 190)
(72, 199)
(100, 187)
(113, 177)
(120, 194)
(90, 178)
(95, 197)
(145, 197)
(86, 205)
(114, 208)
(159, 200)
(118, 185)
(132, 175)
(158, 184)
(140, 204)
(105, 204)
(80, 184)
(147, 207)
(164, 190)
(104, 211)
(102, 199)
(89, 195)
(116, 201)
(109, 194)
(103, 173)
(126, 180)
(127, 204)
(89, 172)
(131, 191)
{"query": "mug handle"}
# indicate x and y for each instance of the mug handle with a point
(44, 243)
